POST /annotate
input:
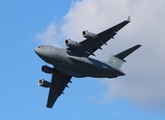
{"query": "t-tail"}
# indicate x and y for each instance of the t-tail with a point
(118, 59)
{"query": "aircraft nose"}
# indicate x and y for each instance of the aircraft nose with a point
(40, 51)
(36, 50)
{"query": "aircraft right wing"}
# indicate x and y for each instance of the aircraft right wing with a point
(91, 45)
(59, 82)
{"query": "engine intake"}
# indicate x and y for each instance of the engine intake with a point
(47, 69)
(44, 83)
(89, 35)
(71, 43)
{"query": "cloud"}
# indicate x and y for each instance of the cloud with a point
(144, 83)
(50, 36)
(92, 15)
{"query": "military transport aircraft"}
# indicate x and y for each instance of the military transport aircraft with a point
(74, 61)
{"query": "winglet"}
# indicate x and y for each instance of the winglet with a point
(128, 19)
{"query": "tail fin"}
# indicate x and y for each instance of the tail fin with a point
(118, 59)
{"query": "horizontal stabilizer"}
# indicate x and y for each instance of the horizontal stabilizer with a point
(125, 53)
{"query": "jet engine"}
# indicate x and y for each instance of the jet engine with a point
(44, 83)
(89, 35)
(47, 69)
(71, 43)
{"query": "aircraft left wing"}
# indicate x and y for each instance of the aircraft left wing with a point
(89, 46)
(59, 82)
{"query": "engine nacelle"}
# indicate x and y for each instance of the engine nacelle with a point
(44, 83)
(71, 43)
(89, 35)
(47, 69)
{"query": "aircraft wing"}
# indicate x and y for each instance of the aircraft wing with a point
(89, 46)
(59, 82)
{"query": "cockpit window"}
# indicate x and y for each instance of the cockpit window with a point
(41, 46)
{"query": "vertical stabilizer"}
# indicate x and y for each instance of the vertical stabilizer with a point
(118, 59)
(115, 61)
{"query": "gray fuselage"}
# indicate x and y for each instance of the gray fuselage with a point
(74, 64)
